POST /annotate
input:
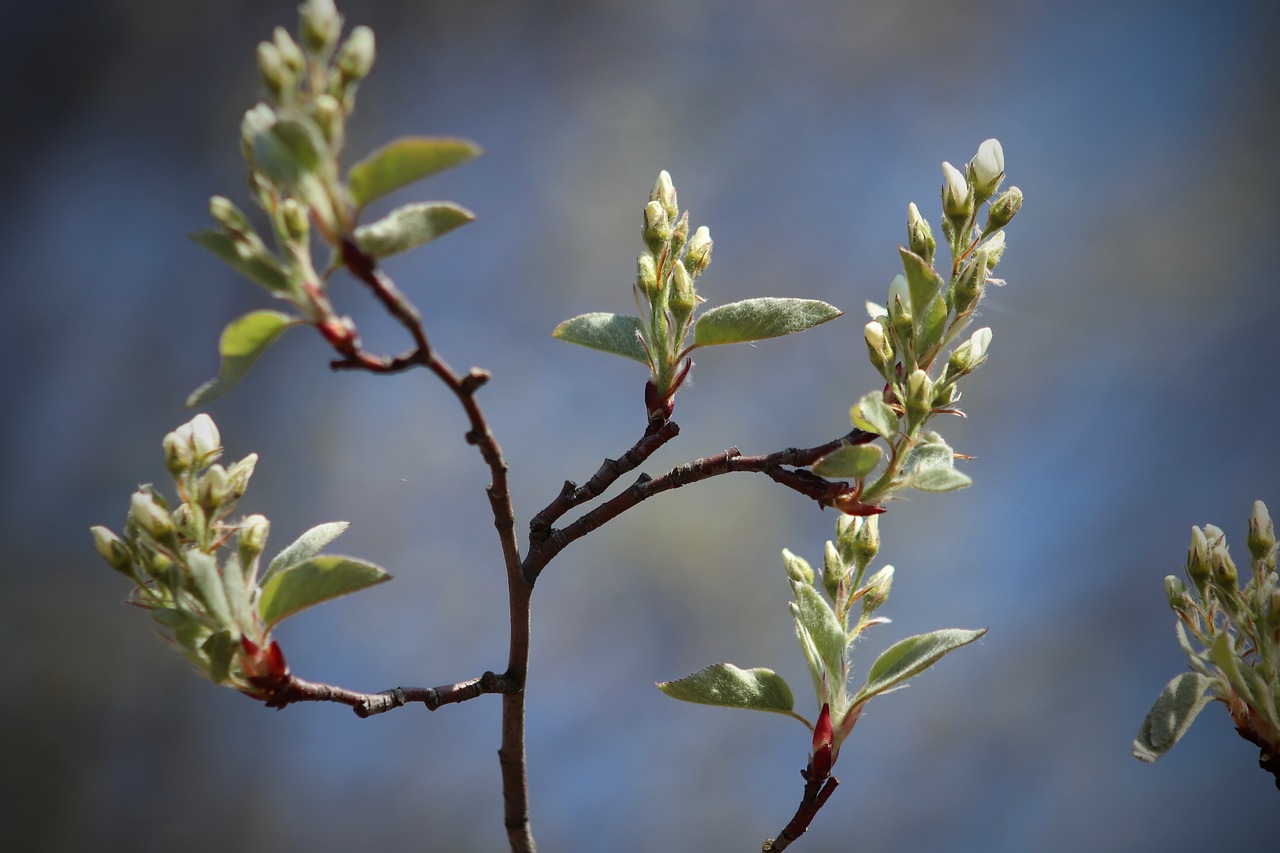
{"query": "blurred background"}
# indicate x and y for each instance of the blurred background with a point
(1131, 393)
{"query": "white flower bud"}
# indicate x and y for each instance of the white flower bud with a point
(664, 192)
(111, 548)
(320, 24)
(877, 590)
(957, 200)
(357, 53)
(878, 347)
(698, 256)
(657, 226)
(919, 236)
(205, 440)
(988, 168)
(253, 534)
(1262, 533)
(995, 249)
(145, 512)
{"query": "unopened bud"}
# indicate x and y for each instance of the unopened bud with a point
(919, 396)
(328, 115)
(833, 570)
(899, 309)
(877, 590)
(987, 169)
(680, 234)
(969, 354)
(681, 299)
(1224, 568)
(664, 192)
(957, 200)
(919, 236)
(1003, 209)
(214, 488)
(698, 256)
(1262, 534)
(275, 74)
(296, 222)
(150, 516)
(206, 442)
(319, 24)
(177, 454)
(253, 535)
(357, 53)
(798, 570)
(657, 227)
(1175, 591)
(224, 212)
(879, 350)
(995, 249)
(646, 275)
(971, 284)
(866, 541)
(111, 548)
(1199, 568)
(290, 53)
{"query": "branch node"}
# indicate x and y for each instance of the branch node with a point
(474, 379)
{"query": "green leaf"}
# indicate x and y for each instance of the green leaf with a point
(615, 333)
(306, 546)
(872, 414)
(1224, 655)
(812, 612)
(923, 282)
(410, 226)
(941, 480)
(312, 582)
(757, 319)
(1175, 710)
(932, 323)
(850, 460)
(403, 161)
(912, 656)
(208, 586)
(931, 467)
(725, 685)
(219, 649)
(248, 257)
(288, 150)
(243, 340)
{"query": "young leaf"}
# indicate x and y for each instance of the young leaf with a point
(306, 546)
(243, 340)
(849, 460)
(872, 414)
(252, 261)
(1175, 710)
(940, 480)
(208, 584)
(410, 226)
(403, 161)
(923, 282)
(287, 150)
(931, 468)
(912, 656)
(757, 319)
(725, 685)
(615, 333)
(312, 582)
(812, 611)
(219, 649)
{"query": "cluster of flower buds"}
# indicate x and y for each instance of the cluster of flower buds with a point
(1236, 620)
(203, 607)
(666, 292)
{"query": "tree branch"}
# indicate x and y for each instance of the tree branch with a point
(780, 466)
(817, 790)
(292, 690)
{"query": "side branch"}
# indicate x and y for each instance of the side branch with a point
(292, 689)
(785, 467)
(817, 791)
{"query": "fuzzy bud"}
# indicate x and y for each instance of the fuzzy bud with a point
(866, 541)
(320, 25)
(253, 535)
(698, 256)
(1003, 209)
(971, 284)
(995, 249)
(356, 56)
(150, 516)
(657, 227)
(798, 569)
(879, 350)
(919, 396)
(1199, 568)
(111, 548)
(877, 590)
(987, 169)
(919, 236)
(646, 275)
(957, 200)
(290, 53)
(1262, 534)
(664, 192)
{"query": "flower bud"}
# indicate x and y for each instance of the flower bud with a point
(681, 299)
(899, 309)
(357, 54)
(919, 237)
(833, 570)
(1199, 568)
(253, 536)
(971, 284)
(226, 214)
(987, 169)
(290, 53)
(295, 220)
(1175, 591)
(275, 74)
(1262, 534)
(111, 548)
(646, 275)
(919, 396)
(879, 350)
(664, 192)
(798, 569)
(1003, 209)
(877, 590)
(680, 235)
(206, 442)
(866, 541)
(328, 115)
(698, 256)
(214, 488)
(320, 25)
(177, 454)
(657, 227)
(150, 516)
(1224, 568)
(966, 357)
(957, 200)
(995, 249)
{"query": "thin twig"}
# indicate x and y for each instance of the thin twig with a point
(817, 790)
(295, 689)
